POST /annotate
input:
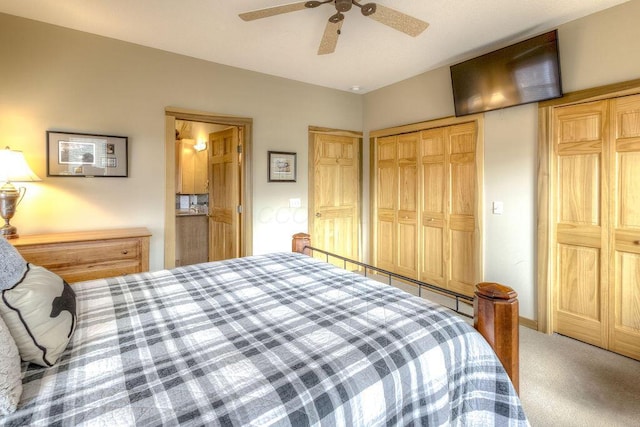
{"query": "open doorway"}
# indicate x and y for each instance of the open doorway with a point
(228, 167)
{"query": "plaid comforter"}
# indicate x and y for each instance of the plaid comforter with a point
(280, 339)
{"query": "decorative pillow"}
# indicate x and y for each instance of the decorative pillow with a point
(40, 312)
(10, 375)
(12, 265)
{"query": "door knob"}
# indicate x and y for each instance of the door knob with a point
(318, 214)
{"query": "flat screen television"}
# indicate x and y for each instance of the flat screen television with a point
(528, 71)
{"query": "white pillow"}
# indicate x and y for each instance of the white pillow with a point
(10, 375)
(40, 312)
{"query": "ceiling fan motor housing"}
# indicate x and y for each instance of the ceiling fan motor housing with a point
(343, 5)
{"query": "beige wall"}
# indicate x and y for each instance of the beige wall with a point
(55, 78)
(596, 50)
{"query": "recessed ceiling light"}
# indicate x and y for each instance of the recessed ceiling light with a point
(355, 88)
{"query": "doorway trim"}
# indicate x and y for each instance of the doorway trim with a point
(246, 190)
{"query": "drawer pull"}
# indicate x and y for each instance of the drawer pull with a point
(636, 242)
(125, 252)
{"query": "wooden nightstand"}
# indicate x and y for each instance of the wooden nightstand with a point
(86, 255)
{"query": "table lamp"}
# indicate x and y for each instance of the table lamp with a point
(13, 168)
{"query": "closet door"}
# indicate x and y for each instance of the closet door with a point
(386, 198)
(581, 222)
(433, 219)
(625, 236)
(407, 215)
(462, 253)
(397, 204)
(428, 205)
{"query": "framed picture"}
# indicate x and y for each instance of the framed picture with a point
(282, 166)
(86, 155)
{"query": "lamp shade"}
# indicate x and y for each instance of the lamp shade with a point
(14, 168)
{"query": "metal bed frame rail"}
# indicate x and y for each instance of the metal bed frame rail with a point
(457, 297)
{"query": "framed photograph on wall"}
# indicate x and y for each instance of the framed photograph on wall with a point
(281, 166)
(86, 155)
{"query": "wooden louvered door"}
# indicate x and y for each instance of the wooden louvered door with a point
(597, 223)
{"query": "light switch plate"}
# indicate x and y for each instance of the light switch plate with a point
(295, 203)
(497, 208)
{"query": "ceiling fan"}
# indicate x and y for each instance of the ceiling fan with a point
(387, 16)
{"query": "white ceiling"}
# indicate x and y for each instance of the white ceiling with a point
(369, 54)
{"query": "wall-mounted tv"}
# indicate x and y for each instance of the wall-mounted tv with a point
(524, 72)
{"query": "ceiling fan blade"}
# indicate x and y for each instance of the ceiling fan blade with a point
(397, 20)
(272, 11)
(330, 37)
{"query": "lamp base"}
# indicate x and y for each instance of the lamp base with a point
(9, 199)
(8, 231)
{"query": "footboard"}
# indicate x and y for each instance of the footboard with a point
(495, 315)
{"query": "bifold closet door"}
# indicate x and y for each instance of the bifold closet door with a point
(386, 199)
(448, 219)
(407, 216)
(462, 252)
(581, 279)
(427, 205)
(597, 223)
(625, 234)
(433, 215)
(397, 204)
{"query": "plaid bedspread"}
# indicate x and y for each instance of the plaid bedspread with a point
(280, 339)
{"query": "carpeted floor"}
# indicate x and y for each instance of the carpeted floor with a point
(564, 382)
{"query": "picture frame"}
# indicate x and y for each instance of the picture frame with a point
(282, 166)
(71, 154)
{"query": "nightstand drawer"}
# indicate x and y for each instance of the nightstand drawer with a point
(98, 270)
(79, 256)
(62, 255)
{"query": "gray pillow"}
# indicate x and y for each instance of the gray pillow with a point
(10, 374)
(12, 265)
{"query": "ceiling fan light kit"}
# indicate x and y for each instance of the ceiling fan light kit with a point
(382, 14)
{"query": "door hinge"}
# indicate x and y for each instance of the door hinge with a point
(239, 149)
(239, 209)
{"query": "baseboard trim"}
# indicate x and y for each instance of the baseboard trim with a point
(528, 323)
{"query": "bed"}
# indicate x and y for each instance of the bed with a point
(278, 339)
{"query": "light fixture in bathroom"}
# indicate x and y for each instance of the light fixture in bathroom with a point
(200, 145)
